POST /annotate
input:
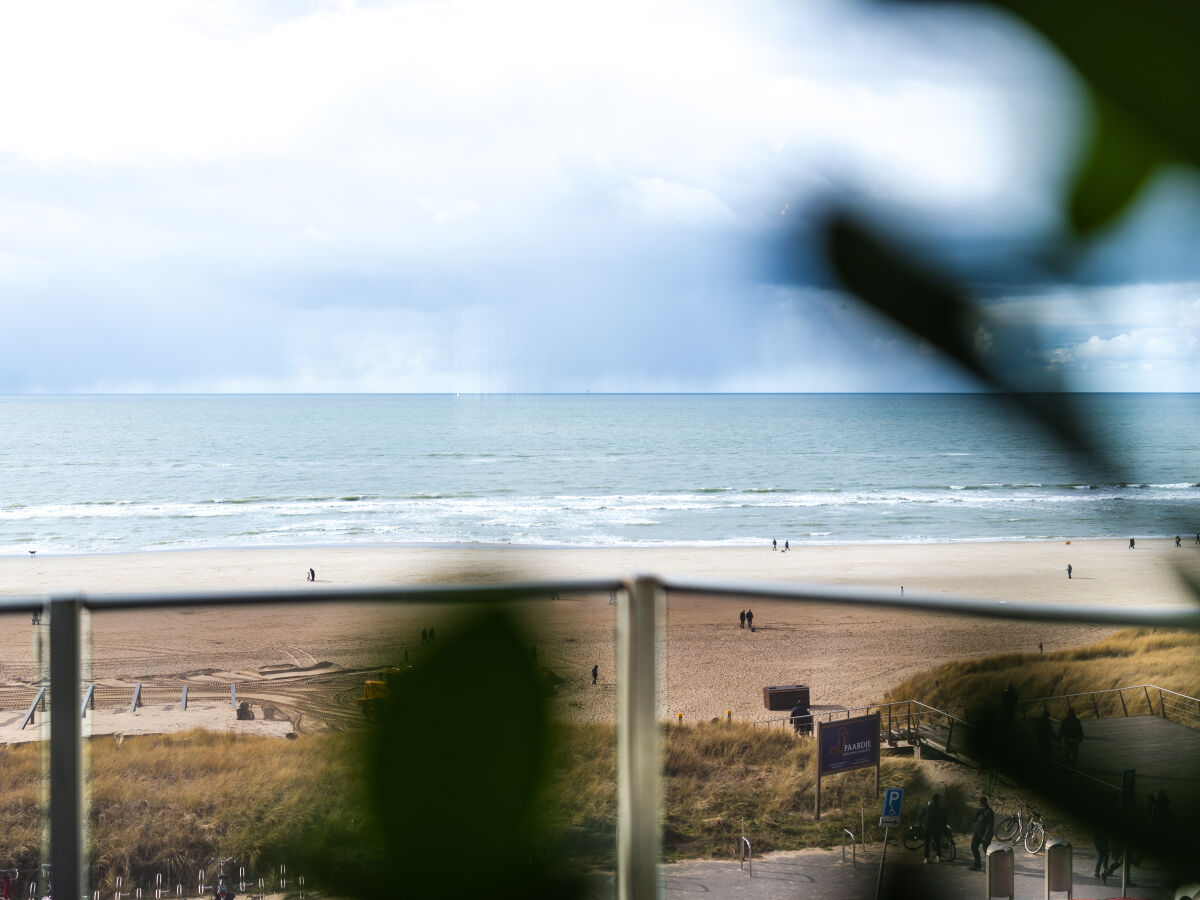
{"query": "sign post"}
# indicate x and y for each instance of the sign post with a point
(893, 799)
(845, 745)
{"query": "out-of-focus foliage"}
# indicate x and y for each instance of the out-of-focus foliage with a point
(459, 766)
(1140, 66)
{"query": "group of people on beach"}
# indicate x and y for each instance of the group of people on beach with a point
(775, 545)
(746, 619)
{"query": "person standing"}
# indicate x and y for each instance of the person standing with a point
(595, 673)
(933, 820)
(1070, 732)
(742, 619)
(1008, 701)
(983, 829)
(1131, 543)
(1177, 544)
(801, 718)
(750, 619)
(774, 546)
(1068, 571)
(1103, 846)
(786, 546)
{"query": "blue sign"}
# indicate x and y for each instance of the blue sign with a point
(848, 744)
(892, 799)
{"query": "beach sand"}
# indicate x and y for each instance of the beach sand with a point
(848, 656)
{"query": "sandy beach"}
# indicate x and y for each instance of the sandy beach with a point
(848, 656)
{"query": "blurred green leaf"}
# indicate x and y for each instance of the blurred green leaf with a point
(1141, 66)
(1118, 162)
(460, 768)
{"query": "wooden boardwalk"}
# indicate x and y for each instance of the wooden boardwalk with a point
(1163, 753)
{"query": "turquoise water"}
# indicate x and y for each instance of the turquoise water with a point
(120, 473)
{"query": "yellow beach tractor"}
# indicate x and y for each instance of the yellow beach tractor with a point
(376, 694)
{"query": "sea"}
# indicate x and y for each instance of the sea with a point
(103, 474)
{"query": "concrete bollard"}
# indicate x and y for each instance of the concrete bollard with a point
(1000, 871)
(1059, 873)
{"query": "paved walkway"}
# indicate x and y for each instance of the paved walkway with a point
(821, 875)
(1164, 754)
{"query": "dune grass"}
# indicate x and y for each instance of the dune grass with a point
(172, 803)
(168, 803)
(1133, 656)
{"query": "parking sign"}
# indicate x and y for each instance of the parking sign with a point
(892, 800)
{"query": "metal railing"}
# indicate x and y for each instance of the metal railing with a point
(1136, 700)
(638, 620)
(846, 832)
(900, 722)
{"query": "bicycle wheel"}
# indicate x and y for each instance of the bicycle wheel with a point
(1008, 829)
(914, 837)
(1035, 838)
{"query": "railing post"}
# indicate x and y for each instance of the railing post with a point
(1095, 705)
(638, 756)
(1124, 708)
(66, 735)
(1149, 705)
(1162, 710)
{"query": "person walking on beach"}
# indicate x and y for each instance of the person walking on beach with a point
(1068, 571)
(774, 546)
(595, 673)
(983, 828)
(750, 619)
(1131, 543)
(786, 546)
(933, 820)
(742, 619)
(1177, 544)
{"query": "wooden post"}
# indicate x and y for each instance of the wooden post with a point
(817, 802)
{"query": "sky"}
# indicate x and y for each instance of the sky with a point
(211, 196)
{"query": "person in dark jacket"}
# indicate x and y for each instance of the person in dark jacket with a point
(801, 718)
(1071, 733)
(1008, 701)
(933, 820)
(983, 829)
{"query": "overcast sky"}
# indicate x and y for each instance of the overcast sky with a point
(542, 196)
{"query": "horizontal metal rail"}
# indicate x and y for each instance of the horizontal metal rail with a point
(1171, 704)
(639, 620)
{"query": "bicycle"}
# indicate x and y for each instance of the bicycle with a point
(914, 839)
(1023, 826)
